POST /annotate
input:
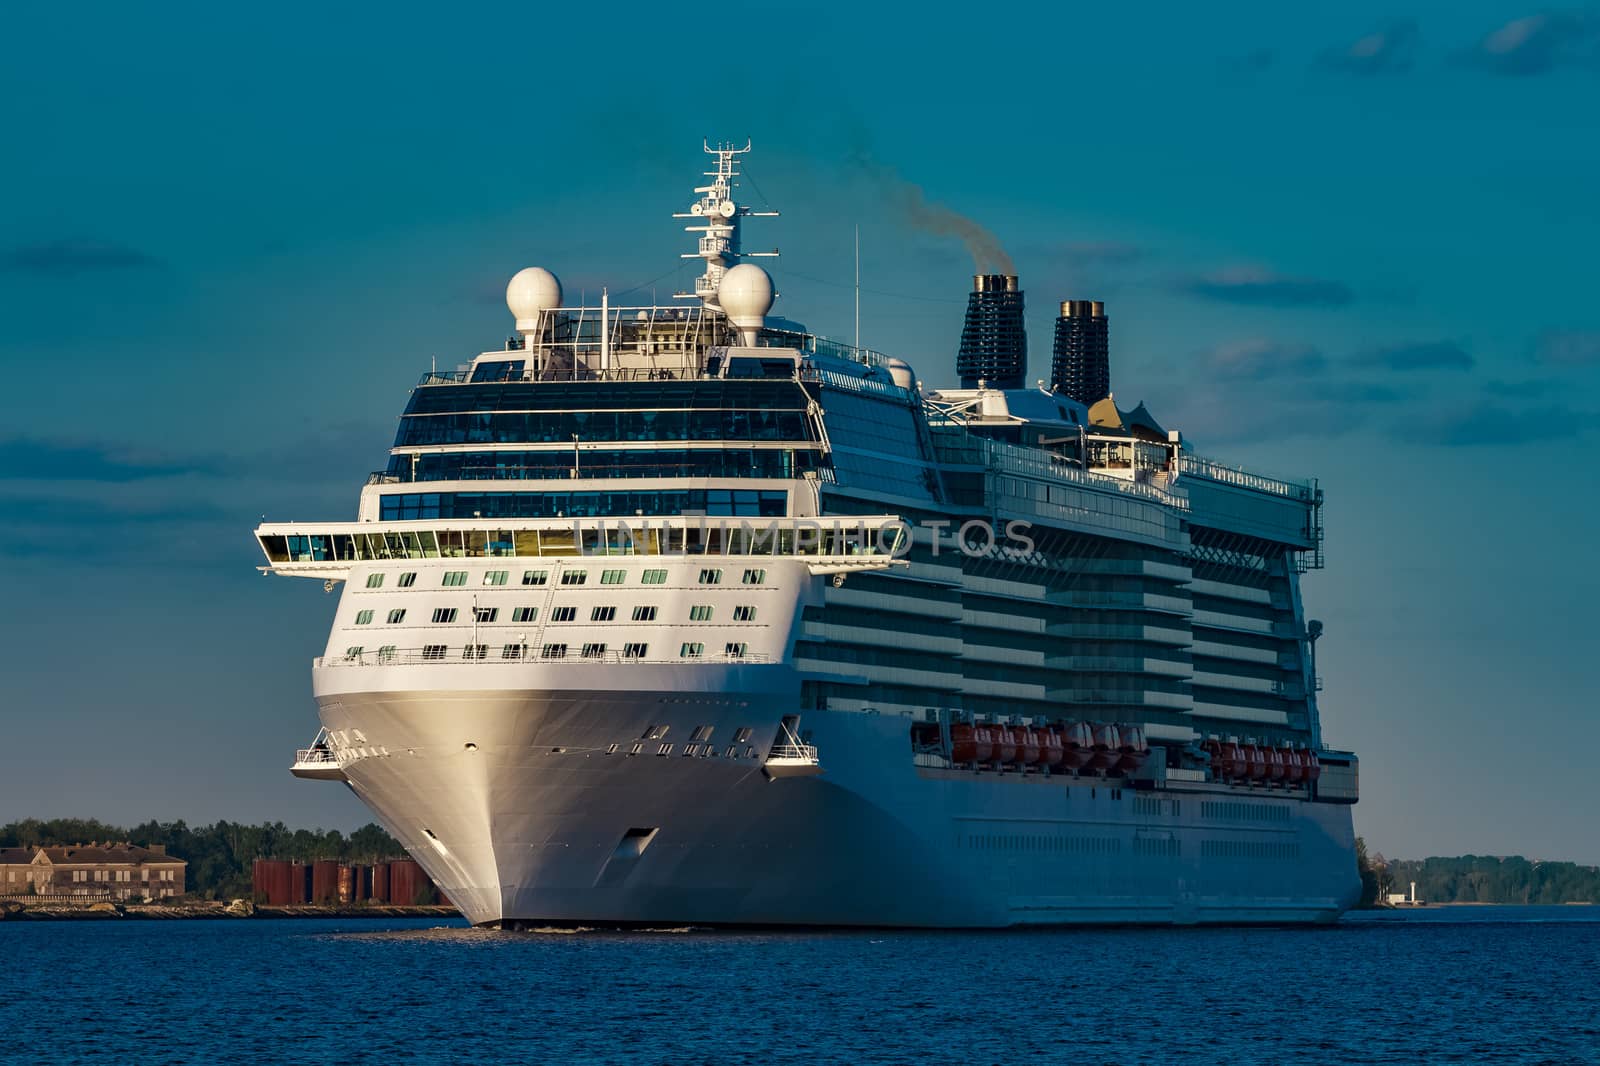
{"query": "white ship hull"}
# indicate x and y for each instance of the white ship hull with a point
(509, 800)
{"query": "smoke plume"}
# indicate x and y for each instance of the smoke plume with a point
(988, 256)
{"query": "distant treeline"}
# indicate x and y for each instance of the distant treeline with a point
(1488, 879)
(1476, 879)
(219, 855)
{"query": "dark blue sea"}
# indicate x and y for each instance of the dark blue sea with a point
(1446, 984)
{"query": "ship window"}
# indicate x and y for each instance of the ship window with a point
(574, 577)
(485, 614)
(353, 652)
(444, 615)
(535, 577)
(555, 651)
(524, 614)
(655, 732)
(455, 577)
(386, 652)
(741, 735)
(511, 651)
(701, 613)
(732, 752)
(644, 614)
(433, 651)
(474, 651)
(564, 614)
(407, 579)
(613, 577)
(700, 733)
(602, 614)
(755, 577)
(594, 651)
(655, 577)
(634, 651)
(665, 749)
(363, 617)
(711, 577)
(495, 577)
(374, 581)
(744, 613)
(691, 651)
(397, 616)
(735, 651)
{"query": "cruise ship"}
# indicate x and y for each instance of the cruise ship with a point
(685, 614)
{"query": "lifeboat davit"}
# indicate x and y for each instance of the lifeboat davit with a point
(1294, 766)
(1255, 763)
(1051, 753)
(1077, 745)
(969, 743)
(1028, 749)
(1227, 761)
(1276, 771)
(1135, 750)
(1005, 744)
(1107, 747)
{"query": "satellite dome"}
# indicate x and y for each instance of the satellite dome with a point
(901, 374)
(745, 295)
(532, 291)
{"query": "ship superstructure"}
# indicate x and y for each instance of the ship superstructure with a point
(667, 614)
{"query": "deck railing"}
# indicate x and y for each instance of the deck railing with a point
(531, 653)
(793, 751)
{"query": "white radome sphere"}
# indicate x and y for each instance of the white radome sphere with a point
(901, 374)
(745, 294)
(530, 292)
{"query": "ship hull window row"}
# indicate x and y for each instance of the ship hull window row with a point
(559, 427)
(590, 463)
(718, 502)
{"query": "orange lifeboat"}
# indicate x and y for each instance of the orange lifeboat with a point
(1294, 766)
(1107, 745)
(1051, 752)
(1313, 765)
(983, 738)
(1276, 771)
(1077, 744)
(1255, 763)
(1005, 744)
(963, 743)
(1028, 750)
(1228, 761)
(1135, 749)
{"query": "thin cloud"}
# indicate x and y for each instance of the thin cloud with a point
(32, 459)
(1571, 347)
(1537, 44)
(69, 257)
(1262, 360)
(1487, 423)
(1519, 390)
(1434, 355)
(1097, 253)
(1258, 287)
(1255, 61)
(1390, 49)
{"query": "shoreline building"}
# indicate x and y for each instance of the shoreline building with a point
(92, 871)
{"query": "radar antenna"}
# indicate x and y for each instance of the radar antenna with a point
(719, 214)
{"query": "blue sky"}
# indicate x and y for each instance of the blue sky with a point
(1356, 243)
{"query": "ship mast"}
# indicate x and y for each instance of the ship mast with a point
(719, 215)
